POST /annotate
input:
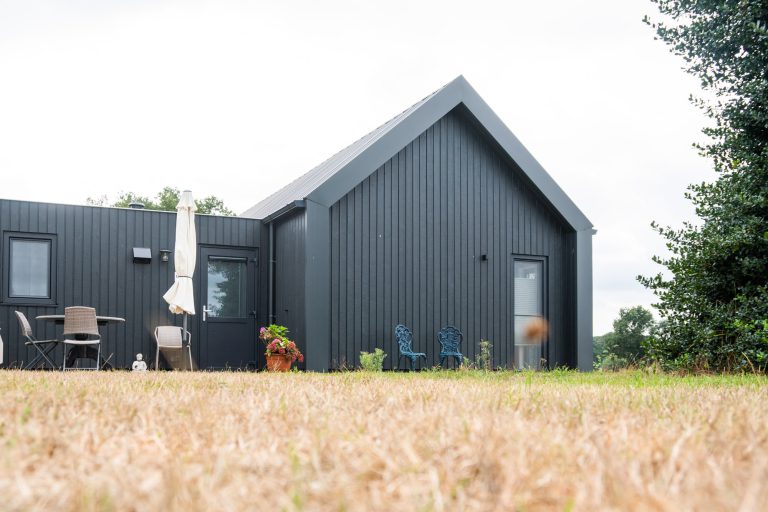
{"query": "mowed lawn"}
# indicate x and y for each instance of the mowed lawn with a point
(356, 441)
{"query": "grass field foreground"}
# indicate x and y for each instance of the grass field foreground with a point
(357, 441)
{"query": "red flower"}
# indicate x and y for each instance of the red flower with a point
(279, 343)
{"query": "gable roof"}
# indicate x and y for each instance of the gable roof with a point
(334, 178)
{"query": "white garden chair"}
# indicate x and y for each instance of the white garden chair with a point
(170, 337)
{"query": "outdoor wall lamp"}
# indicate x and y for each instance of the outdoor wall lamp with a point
(164, 255)
(142, 255)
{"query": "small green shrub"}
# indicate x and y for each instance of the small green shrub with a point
(372, 362)
(483, 359)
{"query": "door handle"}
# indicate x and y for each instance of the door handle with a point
(205, 312)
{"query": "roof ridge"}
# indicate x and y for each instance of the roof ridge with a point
(263, 208)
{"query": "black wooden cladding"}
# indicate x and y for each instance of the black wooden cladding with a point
(290, 254)
(94, 267)
(406, 247)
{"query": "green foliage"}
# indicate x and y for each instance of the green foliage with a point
(165, 200)
(623, 346)
(601, 359)
(598, 348)
(372, 362)
(212, 205)
(630, 330)
(273, 331)
(624, 379)
(715, 303)
(483, 359)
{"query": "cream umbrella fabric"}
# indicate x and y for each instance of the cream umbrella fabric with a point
(180, 296)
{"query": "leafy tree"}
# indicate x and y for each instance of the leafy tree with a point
(166, 200)
(715, 304)
(212, 205)
(630, 330)
(598, 348)
(624, 345)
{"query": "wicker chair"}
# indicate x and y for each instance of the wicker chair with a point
(81, 330)
(170, 337)
(43, 347)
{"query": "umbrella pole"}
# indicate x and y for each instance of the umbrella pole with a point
(184, 341)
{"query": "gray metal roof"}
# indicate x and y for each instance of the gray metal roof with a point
(301, 187)
(332, 179)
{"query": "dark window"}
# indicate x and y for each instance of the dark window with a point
(29, 263)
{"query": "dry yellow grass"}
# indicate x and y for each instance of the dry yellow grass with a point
(449, 441)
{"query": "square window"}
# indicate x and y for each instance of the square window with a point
(29, 268)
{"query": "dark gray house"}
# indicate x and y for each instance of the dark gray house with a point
(438, 217)
(56, 255)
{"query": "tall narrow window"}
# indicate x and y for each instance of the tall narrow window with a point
(529, 306)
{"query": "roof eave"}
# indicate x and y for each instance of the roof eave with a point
(293, 205)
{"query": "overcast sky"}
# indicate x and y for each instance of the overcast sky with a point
(98, 97)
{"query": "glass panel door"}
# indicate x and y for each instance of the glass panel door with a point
(529, 309)
(228, 321)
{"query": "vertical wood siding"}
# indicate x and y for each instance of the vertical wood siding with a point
(94, 267)
(290, 236)
(406, 246)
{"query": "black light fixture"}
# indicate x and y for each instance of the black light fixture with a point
(142, 255)
(165, 255)
(483, 257)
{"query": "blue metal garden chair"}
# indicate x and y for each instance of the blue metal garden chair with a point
(450, 341)
(404, 339)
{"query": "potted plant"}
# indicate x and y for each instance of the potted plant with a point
(281, 351)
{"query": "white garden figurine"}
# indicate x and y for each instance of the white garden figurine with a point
(139, 365)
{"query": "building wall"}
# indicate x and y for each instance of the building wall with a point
(406, 246)
(290, 254)
(94, 267)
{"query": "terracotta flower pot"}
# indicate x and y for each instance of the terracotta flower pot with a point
(279, 363)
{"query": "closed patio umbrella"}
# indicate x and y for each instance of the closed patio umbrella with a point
(180, 296)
